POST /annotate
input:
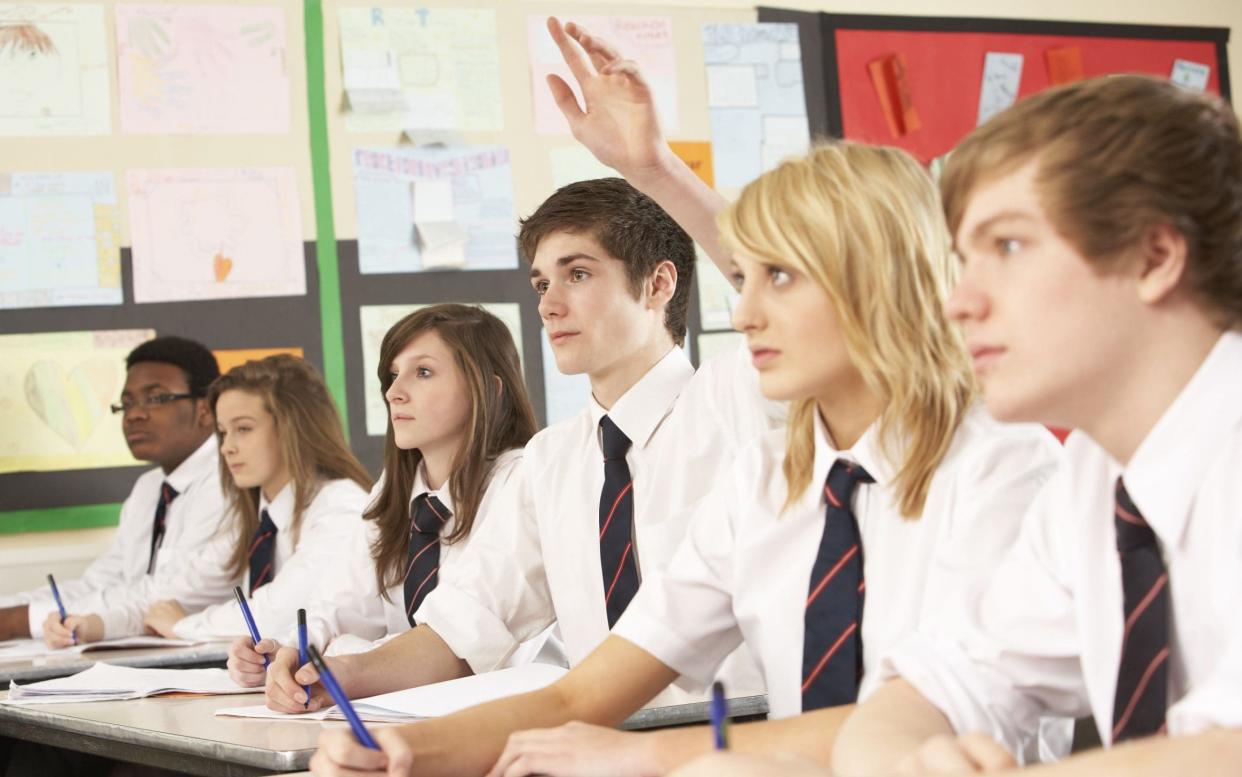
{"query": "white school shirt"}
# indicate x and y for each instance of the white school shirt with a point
(743, 573)
(116, 585)
(1045, 635)
(327, 523)
(347, 612)
(542, 562)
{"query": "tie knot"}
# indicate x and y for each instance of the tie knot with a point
(430, 514)
(266, 524)
(1132, 528)
(843, 478)
(167, 493)
(615, 443)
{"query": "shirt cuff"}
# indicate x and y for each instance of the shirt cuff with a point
(36, 613)
(471, 631)
(118, 623)
(696, 664)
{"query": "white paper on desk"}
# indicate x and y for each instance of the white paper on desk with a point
(34, 648)
(107, 682)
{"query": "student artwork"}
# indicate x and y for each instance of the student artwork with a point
(888, 76)
(1190, 75)
(60, 240)
(434, 208)
(1064, 65)
(417, 69)
(53, 70)
(697, 154)
(755, 98)
(648, 40)
(215, 234)
(375, 322)
(228, 359)
(1002, 76)
(202, 69)
(55, 390)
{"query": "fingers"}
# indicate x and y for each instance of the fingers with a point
(570, 52)
(985, 751)
(565, 99)
(267, 647)
(340, 754)
(284, 691)
(245, 666)
(56, 634)
(598, 49)
(396, 750)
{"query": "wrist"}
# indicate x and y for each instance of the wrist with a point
(665, 167)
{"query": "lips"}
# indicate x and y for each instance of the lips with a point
(556, 338)
(760, 356)
(984, 356)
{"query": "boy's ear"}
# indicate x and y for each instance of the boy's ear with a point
(203, 416)
(662, 283)
(1162, 263)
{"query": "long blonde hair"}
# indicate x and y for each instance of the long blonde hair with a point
(864, 222)
(311, 440)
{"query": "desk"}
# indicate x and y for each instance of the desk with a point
(183, 732)
(29, 670)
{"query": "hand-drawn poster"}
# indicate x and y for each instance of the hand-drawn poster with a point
(60, 240)
(202, 69)
(53, 70)
(376, 320)
(420, 69)
(215, 233)
(55, 389)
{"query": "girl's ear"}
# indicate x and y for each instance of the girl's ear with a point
(500, 386)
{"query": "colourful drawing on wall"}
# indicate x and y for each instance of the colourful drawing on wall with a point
(55, 389)
(60, 241)
(202, 69)
(214, 234)
(230, 358)
(53, 70)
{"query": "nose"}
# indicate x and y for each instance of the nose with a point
(967, 301)
(395, 393)
(551, 303)
(747, 311)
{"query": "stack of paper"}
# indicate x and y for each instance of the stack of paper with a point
(108, 682)
(429, 701)
(33, 648)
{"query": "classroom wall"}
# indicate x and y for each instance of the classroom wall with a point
(24, 559)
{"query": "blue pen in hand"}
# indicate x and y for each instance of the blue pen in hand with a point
(720, 716)
(60, 605)
(341, 700)
(245, 609)
(302, 657)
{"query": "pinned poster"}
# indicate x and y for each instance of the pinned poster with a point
(1064, 65)
(434, 208)
(419, 69)
(713, 344)
(376, 320)
(888, 76)
(215, 233)
(55, 392)
(228, 359)
(697, 154)
(1002, 75)
(202, 69)
(1190, 75)
(571, 164)
(564, 395)
(755, 99)
(53, 70)
(648, 40)
(717, 297)
(60, 241)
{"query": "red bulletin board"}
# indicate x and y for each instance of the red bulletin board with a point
(944, 71)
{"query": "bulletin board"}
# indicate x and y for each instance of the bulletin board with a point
(313, 140)
(944, 61)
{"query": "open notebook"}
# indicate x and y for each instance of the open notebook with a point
(429, 701)
(109, 682)
(34, 648)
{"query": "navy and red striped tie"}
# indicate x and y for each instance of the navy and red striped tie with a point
(262, 552)
(832, 642)
(167, 495)
(616, 524)
(1142, 679)
(427, 517)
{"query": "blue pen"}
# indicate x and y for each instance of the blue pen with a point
(60, 605)
(245, 608)
(302, 657)
(720, 716)
(342, 701)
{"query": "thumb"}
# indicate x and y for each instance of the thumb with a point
(565, 99)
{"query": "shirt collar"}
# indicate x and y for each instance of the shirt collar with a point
(1164, 473)
(641, 409)
(280, 509)
(201, 463)
(866, 452)
(421, 487)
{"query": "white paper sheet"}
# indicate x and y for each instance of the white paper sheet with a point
(33, 648)
(109, 682)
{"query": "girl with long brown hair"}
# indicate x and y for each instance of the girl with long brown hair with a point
(459, 416)
(295, 490)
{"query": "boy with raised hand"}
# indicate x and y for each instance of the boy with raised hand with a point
(172, 512)
(1100, 226)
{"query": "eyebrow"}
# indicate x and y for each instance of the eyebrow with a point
(1005, 215)
(564, 260)
(147, 388)
(416, 357)
(241, 418)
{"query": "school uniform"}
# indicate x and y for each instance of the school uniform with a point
(166, 523)
(546, 560)
(284, 567)
(347, 613)
(745, 572)
(1047, 634)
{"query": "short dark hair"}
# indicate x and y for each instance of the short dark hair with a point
(194, 359)
(628, 225)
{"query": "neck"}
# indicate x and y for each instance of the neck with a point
(274, 486)
(610, 384)
(847, 411)
(438, 463)
(1160, 364)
